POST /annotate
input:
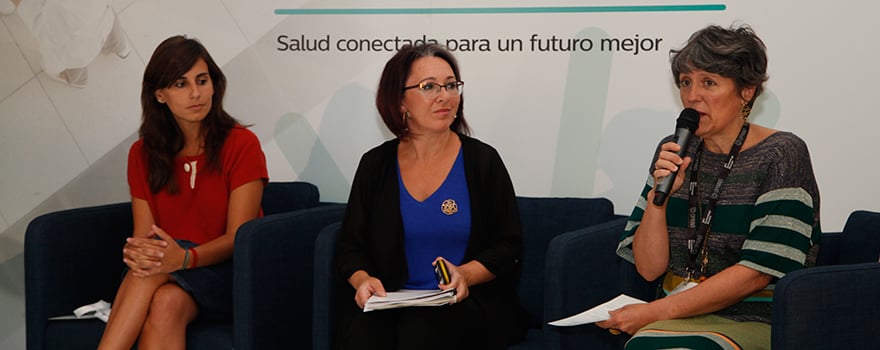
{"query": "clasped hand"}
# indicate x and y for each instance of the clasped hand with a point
(148, 256)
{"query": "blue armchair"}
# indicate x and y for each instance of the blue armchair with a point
(542, 219)
(273, 275)
(72, 258)
(831, 306)
(835, 305)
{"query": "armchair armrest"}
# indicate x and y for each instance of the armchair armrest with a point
(282, 197)
(829, 248)
(324, 286)
(827, 307)
(861, 238)
(581, 272)
(273, 266)
(72, 258)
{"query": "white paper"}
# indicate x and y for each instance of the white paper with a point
(409, 297)
(598, 313)
(99, 310)
(683, 286)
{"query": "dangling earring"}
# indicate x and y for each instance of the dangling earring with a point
(746, 111)
(405, 123)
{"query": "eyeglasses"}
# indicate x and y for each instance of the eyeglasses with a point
(433, 89)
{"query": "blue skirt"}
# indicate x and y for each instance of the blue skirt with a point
(210, 286)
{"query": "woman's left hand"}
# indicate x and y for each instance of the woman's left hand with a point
(629, 319)
(457, 280)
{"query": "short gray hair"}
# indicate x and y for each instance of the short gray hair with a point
(735, 53)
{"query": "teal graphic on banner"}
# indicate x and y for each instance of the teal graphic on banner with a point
(500, 10)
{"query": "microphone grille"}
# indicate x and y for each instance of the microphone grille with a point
(688, 119)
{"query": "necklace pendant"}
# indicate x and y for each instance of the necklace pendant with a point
(191, 167)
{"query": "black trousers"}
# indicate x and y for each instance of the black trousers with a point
(462, 325)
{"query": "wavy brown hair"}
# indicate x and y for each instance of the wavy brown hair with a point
(162, 137)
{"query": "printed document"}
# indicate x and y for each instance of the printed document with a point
(598, 313)
(409, 297)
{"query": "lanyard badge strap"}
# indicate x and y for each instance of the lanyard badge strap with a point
(700, 230)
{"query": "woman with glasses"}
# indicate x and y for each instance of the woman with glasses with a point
(432, 193)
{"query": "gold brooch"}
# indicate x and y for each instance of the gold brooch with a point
(449, 207)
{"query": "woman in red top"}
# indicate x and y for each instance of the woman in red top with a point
(195, 176)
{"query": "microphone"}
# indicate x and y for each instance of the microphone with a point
(685, 126)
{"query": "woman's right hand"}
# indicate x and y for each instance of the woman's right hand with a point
(152, 256)
(667, 162)
(143, 255)
(366, 286)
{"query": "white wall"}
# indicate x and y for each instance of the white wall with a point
(567, 124)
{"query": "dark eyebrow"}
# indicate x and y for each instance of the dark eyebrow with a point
(436, 80)
(197, 76)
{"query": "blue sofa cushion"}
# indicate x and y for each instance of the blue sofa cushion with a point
(273, 275)
(85, 334)
(823, 307)
(94, 268)
(861, 238)
(281, 197)
(542, 220)
(827, 307)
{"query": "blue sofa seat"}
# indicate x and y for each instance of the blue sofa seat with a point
(835, 305)
(831, 306)
(273, 275)
(73, 258)
(542, 220)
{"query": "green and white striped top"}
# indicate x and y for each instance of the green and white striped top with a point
(767, 216)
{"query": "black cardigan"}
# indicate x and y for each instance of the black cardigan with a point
(371, 237)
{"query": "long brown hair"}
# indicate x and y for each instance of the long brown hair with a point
(162, 137)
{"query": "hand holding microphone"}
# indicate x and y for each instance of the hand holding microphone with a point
(685, 126)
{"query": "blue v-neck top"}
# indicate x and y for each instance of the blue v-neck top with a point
(438, 226)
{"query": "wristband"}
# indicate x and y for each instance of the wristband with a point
(195, 257)
(185, 260)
